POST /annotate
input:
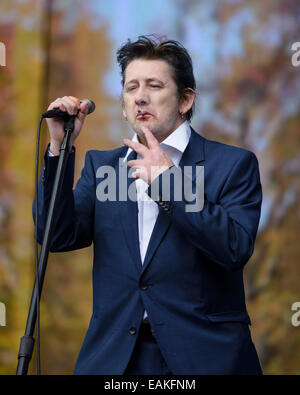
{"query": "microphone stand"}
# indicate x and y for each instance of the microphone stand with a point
(27, 341)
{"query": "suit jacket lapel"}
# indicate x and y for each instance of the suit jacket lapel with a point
(193, 154)
(161, 226)
(128, 211)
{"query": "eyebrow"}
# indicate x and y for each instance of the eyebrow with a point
(148, 80)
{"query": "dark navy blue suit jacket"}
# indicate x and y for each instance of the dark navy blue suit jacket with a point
(191, 281)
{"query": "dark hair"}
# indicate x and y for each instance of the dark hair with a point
(157, 48)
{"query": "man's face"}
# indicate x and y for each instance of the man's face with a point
(150, 87)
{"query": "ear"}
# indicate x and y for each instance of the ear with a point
(123, 109)
(187, 100)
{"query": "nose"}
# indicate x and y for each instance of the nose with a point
(141, 102)
(141, 98)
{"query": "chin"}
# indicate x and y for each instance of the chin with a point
(155, 130)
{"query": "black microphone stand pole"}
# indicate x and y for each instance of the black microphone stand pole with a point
(27, 341)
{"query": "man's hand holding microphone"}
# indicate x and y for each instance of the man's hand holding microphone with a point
(66, 105)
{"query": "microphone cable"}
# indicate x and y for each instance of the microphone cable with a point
(37, 275)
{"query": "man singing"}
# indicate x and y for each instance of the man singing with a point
(168, 293)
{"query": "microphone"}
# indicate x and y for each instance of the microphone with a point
(57, 113)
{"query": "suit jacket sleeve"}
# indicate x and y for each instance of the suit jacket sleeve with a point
(225, 230)
(73, 223)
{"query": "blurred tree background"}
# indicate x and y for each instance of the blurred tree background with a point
(248, 94)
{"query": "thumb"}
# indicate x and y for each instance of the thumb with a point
(83, 110)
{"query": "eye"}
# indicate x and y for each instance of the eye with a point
(130, 88)
(154, 86)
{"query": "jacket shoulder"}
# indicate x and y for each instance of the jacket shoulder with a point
(216, 147)
(227, 153)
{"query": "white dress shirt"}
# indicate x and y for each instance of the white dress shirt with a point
(174, 146)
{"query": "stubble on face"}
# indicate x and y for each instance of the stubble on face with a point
(163, 102)
(156, 131)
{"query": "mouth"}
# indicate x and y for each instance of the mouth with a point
(143, 115)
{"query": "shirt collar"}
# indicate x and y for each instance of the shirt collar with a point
(178, 139)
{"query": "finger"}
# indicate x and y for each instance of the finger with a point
(137, 147)
(83, 105)
(63, 104)
(151, 140)
(60, 106)
(135, 174)
(136, 163)
(83, 110)
(71, 105)
(76, 101)
(55, 104)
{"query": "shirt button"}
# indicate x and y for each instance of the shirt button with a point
(144, 287)
(132, 331)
